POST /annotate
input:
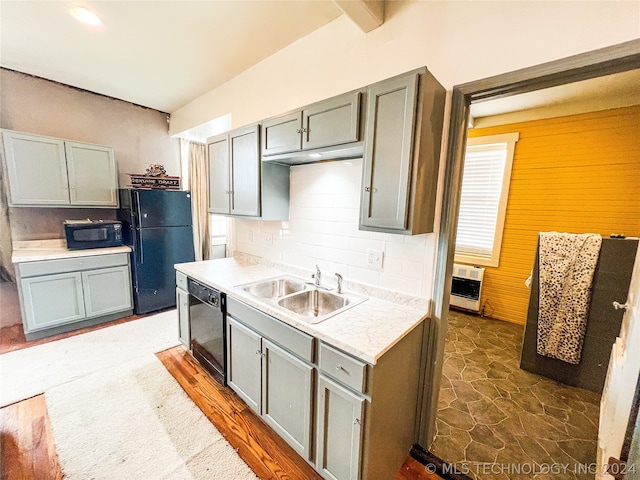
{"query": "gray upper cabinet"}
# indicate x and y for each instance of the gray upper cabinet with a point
(244, 147)
(282, 134)
(234, 172)
(52, 172)
(238, 184)
(331, 122)
(96, 163)
(218, 157)
(328, 123)
(405, 117)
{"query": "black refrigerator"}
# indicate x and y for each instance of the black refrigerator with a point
(156, 224)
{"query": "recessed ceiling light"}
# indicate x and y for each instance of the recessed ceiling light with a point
(85, 15)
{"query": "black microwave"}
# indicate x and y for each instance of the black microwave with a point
(92, 233)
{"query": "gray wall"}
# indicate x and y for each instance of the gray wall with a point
(138, 135)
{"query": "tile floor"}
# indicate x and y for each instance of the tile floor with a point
(496, 421)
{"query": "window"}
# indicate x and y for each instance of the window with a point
(483, 200)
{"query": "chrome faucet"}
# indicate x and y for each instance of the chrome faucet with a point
(340, 279)
(317, 276)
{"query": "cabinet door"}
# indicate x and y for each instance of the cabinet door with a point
(93, 175)
(286, 396)
(338, 437)
(52, 300)
(218, 159)
(107, 290)
(37, 169)
(245, 171)
(244, 354)
(282, 134)
(391, 112)
(332, 122)
(184, 330)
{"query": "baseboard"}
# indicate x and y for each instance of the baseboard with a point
(436, 465)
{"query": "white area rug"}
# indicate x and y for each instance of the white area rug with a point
(116, 413)
(31, 371)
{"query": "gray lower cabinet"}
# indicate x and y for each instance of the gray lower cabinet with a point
(339, 430)
(238, 184)
(331, 122)
(52, 300)
(244, 351)
(287, 396)
(53, 172)
(55, 293)
(264, 369)
(349, 419)
(402, 154)
(184, 330)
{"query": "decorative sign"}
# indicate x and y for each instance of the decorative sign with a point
(155, 177)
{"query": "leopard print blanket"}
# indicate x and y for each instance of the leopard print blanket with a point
(566, 266)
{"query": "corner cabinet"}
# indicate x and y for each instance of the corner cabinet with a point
(328, 123)
(238, 186)
(403, 137)
(53, 172)
(56, 293)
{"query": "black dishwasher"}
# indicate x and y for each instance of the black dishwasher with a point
(207, 318)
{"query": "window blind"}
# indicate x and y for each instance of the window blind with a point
(480, 198)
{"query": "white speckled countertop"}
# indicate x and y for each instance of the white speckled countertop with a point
(37, 250)
(366, 330)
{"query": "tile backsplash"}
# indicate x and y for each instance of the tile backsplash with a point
(323, 229)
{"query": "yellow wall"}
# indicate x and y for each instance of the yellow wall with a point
(576, 174)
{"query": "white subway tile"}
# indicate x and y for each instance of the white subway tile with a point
(391, 265)
(363, 244)
(398, 283)
(363, 275)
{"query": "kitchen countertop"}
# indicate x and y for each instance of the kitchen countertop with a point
(37, 250)
(366, 330)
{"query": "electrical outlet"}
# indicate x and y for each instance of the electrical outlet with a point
(267, 238)
(374, 259)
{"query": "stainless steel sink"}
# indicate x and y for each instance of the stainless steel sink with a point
(277, 287)
(313, 303)
(301, 299)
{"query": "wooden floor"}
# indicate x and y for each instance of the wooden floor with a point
(27, 450)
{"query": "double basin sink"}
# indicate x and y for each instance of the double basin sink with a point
(305, 301)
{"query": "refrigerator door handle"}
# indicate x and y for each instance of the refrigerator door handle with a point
(140, 243)
(137, 194)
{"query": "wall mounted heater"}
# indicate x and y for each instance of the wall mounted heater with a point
(466, 287)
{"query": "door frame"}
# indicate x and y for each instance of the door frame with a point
(605, 61)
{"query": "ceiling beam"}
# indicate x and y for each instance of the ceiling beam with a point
(366, 14)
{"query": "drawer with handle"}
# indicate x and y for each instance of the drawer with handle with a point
(343, 367)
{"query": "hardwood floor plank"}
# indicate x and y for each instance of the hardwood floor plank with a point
(27, 447)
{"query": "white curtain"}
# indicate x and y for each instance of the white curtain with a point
(199, 202)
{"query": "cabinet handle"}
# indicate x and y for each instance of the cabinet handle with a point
(367, 189)
(339, 367)
(258, 352)
(356, 421)
(298, 130)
